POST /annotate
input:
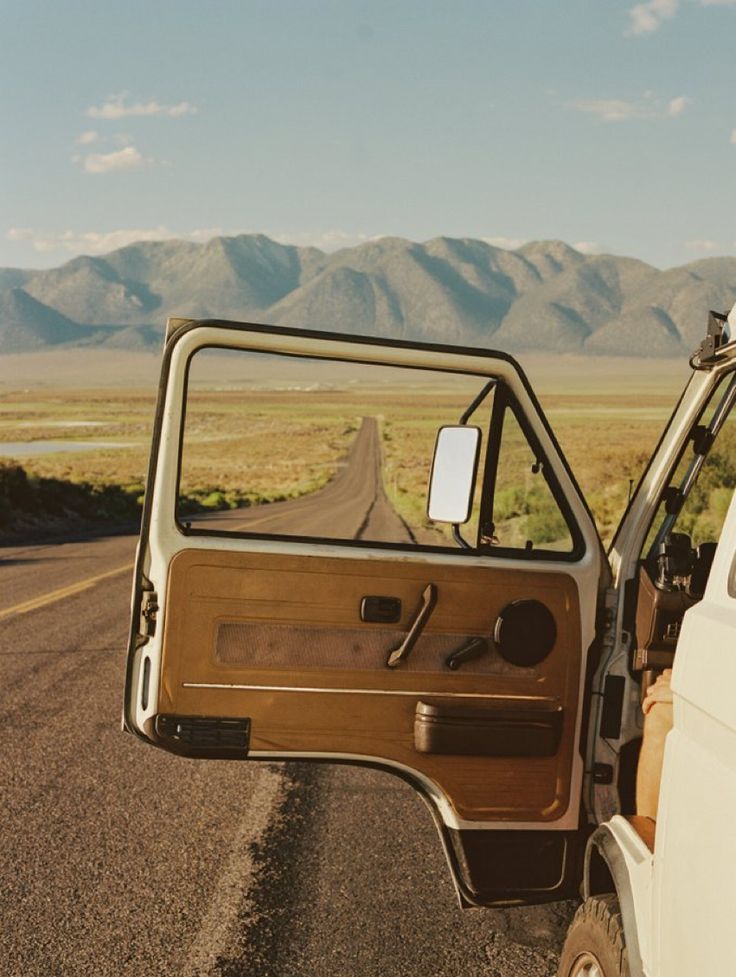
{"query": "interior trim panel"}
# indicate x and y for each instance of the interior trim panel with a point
(515, 769)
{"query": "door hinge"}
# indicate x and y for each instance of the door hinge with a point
(149, 613)
(609, 615)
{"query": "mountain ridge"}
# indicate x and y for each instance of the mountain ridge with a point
(544, 296)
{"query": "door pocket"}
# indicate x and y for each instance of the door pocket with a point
(507, 727)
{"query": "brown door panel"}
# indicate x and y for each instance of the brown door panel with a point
(279, 639)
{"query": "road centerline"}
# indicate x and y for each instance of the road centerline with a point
(56, 595)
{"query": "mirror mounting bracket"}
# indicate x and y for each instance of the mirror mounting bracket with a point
(459, 538)
(475, 404)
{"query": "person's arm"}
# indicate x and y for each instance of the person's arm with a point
(659, 691)
(657, 708)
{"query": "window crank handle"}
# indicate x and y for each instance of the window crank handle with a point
(470, 650)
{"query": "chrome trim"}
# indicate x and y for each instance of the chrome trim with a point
(307, 688)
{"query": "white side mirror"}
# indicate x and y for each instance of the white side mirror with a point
(454, 467)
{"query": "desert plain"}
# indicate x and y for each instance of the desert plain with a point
(279, 430)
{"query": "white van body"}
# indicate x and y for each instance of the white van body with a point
(677, 901)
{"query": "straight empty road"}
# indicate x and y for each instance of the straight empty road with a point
(116, 858)
(353, 505)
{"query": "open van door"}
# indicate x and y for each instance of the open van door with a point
(327, 617)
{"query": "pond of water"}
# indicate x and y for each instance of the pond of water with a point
(27, 449)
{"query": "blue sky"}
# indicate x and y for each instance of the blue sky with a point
(607, 124)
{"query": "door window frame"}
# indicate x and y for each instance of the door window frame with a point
(504, 399)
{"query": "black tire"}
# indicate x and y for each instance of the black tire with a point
(595, 945)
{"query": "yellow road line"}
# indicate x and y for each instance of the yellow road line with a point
(253, 522)
(224, 525)
(55, 595)
(247, 525)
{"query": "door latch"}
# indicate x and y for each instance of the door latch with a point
(149, 612)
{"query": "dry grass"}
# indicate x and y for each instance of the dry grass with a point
(607, 441)
(264, 448)
(63, 415)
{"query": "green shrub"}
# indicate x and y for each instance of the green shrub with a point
(214, 500)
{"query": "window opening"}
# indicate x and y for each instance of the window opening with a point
(697, 498)
(526, 514)
(293, 447)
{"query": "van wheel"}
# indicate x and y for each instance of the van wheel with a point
(594, 945)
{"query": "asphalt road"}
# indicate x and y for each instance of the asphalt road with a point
(353, 505)
(118, 859)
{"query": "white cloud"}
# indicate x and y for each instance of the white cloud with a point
(678, 105)
(588, 247)
(646, 18)
(116, 107)
(123, 159)
(87, 138)
(512, 243)
(647, 106)
(509, 243)
(732, 140)
(613, 109)
(702, 244)
(99, 242)
(331, 240)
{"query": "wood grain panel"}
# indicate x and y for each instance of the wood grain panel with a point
(208, 587)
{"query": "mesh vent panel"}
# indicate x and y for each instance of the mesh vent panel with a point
(259, 645)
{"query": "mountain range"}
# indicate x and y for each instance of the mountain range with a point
(544, 296)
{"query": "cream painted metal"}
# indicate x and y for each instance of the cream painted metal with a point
(166, 540)
(695, 861)
(683, 895)
(639, 863)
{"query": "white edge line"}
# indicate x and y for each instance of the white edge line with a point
(218, 931)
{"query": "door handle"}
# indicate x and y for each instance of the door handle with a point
(400, 654)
